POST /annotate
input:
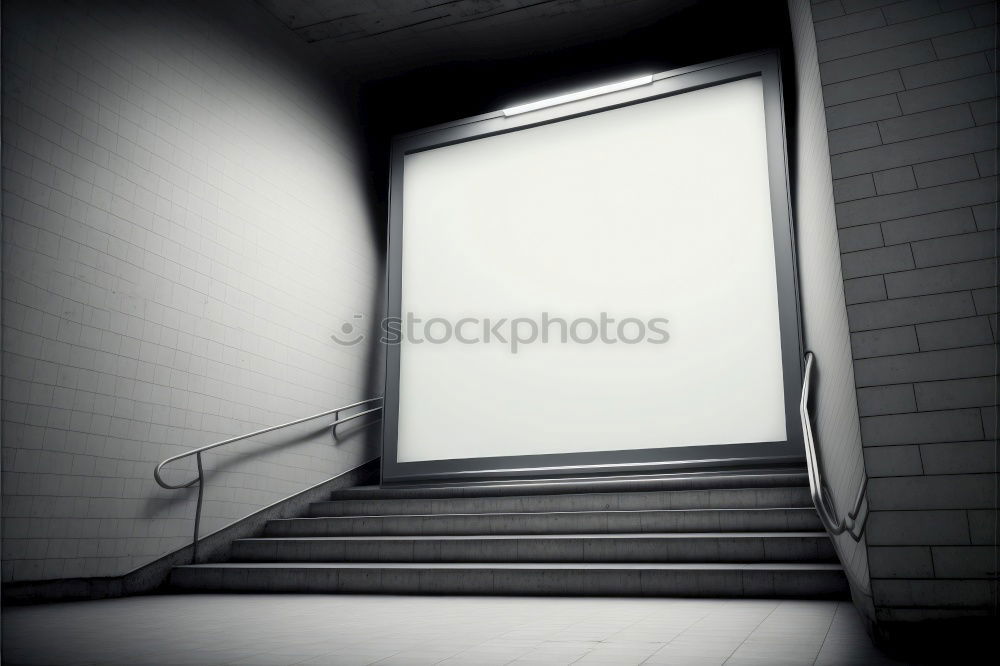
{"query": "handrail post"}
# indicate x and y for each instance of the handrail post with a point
(197, 513)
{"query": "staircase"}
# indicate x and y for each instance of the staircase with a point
(746, 535)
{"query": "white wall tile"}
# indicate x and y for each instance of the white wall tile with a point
(184, 226)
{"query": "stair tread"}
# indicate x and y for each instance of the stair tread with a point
(545, 513)
(795, 480)
(601, 535)
(522, 490)
(697, 566)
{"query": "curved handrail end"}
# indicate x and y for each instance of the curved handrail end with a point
(817, 489)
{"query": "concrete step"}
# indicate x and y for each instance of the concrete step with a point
(582, 522)
(787, 580)
(621, 484)
(373, 504)
(717, 547)
(699, 535)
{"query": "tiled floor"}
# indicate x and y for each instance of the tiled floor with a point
(346, 629)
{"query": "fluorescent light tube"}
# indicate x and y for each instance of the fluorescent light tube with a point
(582, 94)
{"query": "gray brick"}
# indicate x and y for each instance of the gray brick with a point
(894, 35)
(960, 43)
(945, 94)
(864, 290)
(945, 70)
(939, 593)
(985, 300)
(916, 202)
(948, 5)
(878, 61)
(851, 6)
(914, 151)
(825, 10)
(967, 332)
(983, 526)
(900, 562)
(884, 342)
(865, 87)
(935, 225)
(855, 187)
(986, 216)
(962, 491)
(894, 399)
(986, 163)
(984, 111)
(865, 111)
(852, 138)
(922, 428)
(845, 25)
(928, 123)
(989, 416)
(958, 393)
(959, 457)
(984, 14)
(965, 247)
(950, 170)
(965, 561)
(925, 366)
(940, 279)
(882, 461)
(891, 181)
(876, 261)
(903, 311)
(860, 238)
(902, 528)
(909, 10)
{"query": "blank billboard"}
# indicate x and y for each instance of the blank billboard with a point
(656, 214)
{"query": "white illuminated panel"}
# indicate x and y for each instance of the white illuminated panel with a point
(659, 209)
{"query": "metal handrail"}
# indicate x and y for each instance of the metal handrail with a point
(200, 479)
(817, 489)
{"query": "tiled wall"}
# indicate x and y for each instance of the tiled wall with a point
(910, 96)
(184, 227)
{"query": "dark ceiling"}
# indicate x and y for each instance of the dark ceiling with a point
(376, 38)
(415, 63)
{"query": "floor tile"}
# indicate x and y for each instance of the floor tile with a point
(344, 630)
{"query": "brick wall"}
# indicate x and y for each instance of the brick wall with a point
(184, 226)
(910, 95)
